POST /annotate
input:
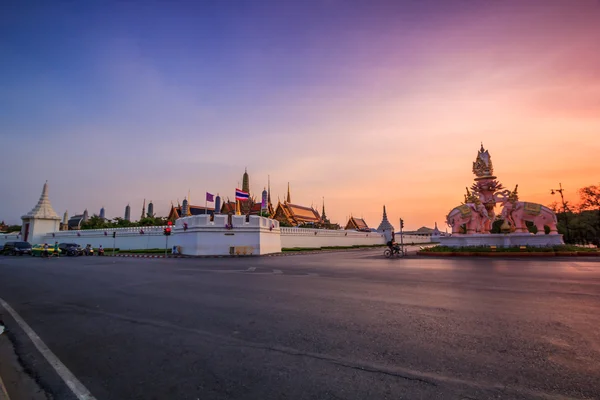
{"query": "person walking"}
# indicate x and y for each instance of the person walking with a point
(56, 250)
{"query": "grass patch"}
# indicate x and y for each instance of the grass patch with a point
(358, 246)
(146, 251)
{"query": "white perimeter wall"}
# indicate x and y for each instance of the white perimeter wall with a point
(270, 240)
(127, 238)
(314, 238)
(259, 235)
(9, 238)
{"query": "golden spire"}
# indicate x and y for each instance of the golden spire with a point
(289, 199)
(237, 207)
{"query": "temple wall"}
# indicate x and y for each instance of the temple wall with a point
(259, 235)
(314, 238)
(127, 238)
(9, 238)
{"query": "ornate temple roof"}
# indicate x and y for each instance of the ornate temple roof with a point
(176, 212)
(385, 224)
(357, 224)
(43, 209)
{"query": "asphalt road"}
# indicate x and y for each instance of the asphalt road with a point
(347, 325)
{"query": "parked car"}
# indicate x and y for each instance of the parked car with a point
(71, 249)
(16, 248)
(38, 250)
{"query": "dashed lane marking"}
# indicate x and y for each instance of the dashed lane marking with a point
(277, 271)
(80, 391)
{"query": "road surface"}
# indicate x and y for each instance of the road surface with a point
(349, 325)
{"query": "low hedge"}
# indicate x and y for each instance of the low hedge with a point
(514, 249)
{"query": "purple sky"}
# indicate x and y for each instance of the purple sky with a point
(362, 102)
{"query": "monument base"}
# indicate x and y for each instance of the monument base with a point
(501, 240)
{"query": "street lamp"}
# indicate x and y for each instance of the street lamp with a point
(560, 190)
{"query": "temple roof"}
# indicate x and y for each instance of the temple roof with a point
(43, 209)
(357, 224)
(303, 214)
(194, 210)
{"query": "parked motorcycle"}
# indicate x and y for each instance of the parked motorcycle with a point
(88, 251)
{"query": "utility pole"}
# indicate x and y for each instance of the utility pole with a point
(401, 236)
(560, 191)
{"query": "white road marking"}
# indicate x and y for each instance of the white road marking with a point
(251, 269)
(72, 382)
(277, 271)
(3, 393)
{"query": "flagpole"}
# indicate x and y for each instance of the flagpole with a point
(206, 203)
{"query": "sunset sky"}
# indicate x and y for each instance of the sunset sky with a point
(364, 103)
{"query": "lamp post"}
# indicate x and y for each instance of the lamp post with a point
(560, 191)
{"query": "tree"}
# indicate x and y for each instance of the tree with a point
(95, 222)
(12, 228)
(590, 201)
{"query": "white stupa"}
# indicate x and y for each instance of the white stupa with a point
(385, 224)
(41, 220)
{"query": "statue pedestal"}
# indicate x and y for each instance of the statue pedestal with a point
(501, 240)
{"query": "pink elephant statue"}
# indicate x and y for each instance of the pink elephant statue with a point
(471, 214)
(518, 212)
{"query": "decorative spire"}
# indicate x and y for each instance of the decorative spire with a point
(185, 208)
(289, 199)
(246, 181)
(323, 216)
(269, 189)
(143, 210)
(150, 213)
(127, 212)
(217, 204)
(43, 209)
(385, 224)
(482, 167)
(65, 220)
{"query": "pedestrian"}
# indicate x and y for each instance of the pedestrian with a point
(56, 249)
(46, 254)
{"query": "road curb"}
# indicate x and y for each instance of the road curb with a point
(144, 256)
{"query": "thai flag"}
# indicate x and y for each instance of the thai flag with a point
(241, 195)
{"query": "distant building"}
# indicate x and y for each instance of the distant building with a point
(357, 224)
(76, 220)
(150, 213)
(187, 210)
(295, 215)
(127, 213)
(102, 213)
